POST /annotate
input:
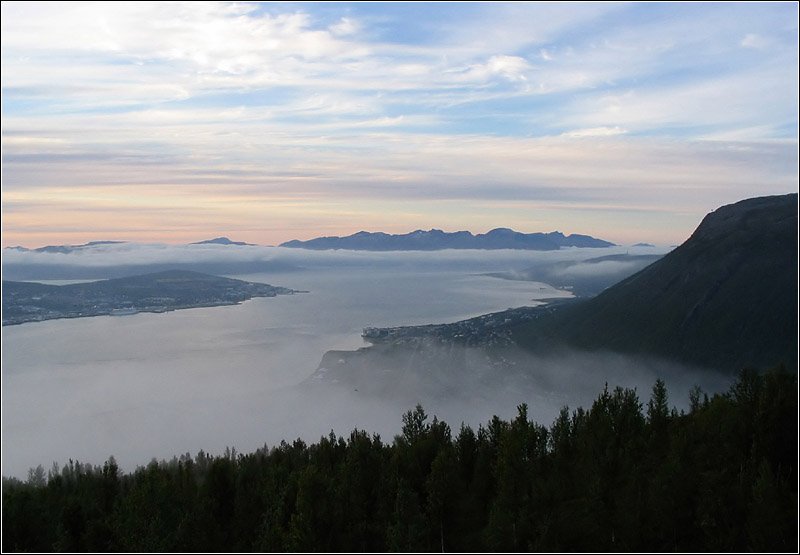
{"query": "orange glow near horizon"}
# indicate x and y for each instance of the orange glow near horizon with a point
(170, 215)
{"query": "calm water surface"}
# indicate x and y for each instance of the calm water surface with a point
(157, 385)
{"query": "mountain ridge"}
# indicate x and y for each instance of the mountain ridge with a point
(436, 239)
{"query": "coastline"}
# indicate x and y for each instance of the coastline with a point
(148, 310)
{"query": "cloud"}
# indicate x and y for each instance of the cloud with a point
(129, 54)
(345, 26)
(125, 54)
(512, 68)
(752, 40)
(595, 132)
(236, 114)
(127, 253)
(603, 268)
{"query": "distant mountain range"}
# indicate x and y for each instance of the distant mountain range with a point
(66, 249)
(436, 239)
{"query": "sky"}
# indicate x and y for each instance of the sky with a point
(265, 122)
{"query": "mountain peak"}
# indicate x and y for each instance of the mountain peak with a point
(743, 215)
(222, 241)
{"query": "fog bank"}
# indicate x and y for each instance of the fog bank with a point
(158, 385)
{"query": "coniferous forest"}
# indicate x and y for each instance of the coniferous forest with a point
(623, 475)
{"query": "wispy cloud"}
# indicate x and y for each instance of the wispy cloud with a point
(595, 132)
(199, 106)
(752, 40)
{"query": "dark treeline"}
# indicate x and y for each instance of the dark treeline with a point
(620, 476)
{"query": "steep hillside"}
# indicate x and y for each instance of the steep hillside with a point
(726, 298)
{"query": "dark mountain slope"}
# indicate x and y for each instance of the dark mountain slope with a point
(726, 298)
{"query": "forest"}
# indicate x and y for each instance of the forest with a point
(622, 475)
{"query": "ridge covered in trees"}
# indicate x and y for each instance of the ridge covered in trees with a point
(618, 476)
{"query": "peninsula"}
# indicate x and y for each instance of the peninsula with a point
(156, 292)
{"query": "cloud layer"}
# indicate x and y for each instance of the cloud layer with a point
(160, 121)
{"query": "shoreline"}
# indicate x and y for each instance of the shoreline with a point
(146, 310)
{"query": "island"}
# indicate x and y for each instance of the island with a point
(156, 292)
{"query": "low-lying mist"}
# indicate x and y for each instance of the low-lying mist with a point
(137, 411)
(122, 259)
(156, 385)
(471, 384)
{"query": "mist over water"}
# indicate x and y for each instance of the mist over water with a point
(156, 385)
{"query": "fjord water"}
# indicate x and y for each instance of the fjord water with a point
(156, 385)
